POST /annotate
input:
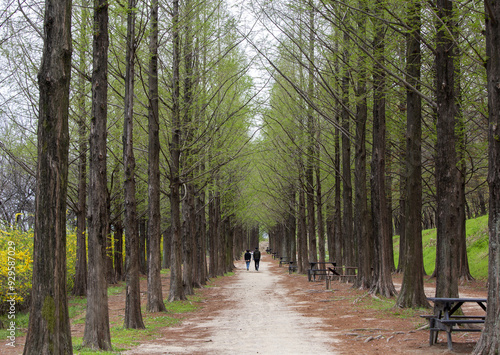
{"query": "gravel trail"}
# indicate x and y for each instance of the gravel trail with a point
(258, 319)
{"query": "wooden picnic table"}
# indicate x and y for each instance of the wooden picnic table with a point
(320, 268)
(445, 319)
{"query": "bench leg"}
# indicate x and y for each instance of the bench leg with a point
(433, 334)
(448, 336)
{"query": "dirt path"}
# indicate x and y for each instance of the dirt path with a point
(259, 319)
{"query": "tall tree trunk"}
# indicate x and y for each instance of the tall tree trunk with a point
(212, 230)
(97, 334)
(361, 219)
(489, 342)
(176, 286)
(337, 212)
(188, 205)
(303, 263)
(133, 316)
(463, 261)
(382, 278)
(80, 285)
(118, 249)
(309, 173)
(155, 294)
(49, 329)
(412, 288)
(401, 219)
(291, 226)
(201, 242)
(348, 243)
(167, 246)
(446, 160)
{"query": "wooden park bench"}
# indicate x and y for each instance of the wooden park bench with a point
(444, 318)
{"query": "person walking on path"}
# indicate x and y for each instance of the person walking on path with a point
(248, 257)
(256, 258)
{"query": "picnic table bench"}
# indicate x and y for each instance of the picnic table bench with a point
(320, 268)
(292, 266)
(284, 260)
(444, 318)
(339, 272)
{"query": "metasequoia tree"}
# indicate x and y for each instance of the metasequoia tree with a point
(447, 181)
(489, 342)
(97, 334)
(80, 285)
(347, 214)
(155, 295)
(310, 135)
(412, 288)
(176, 286)
(361, 212)
(133, 315)
(382, 279)
(49, 328)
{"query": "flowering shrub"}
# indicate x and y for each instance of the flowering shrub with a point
(16, 261)
(16, 266)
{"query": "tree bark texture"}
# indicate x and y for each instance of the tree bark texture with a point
(80, 285)
(361, 213)
(412, 288)
(348, 244)
(309, 173)
(49, 328)
(176, 286)
(303, 263)
(155, 295)
(489, 342)
(447, 182)
(133, 315)
(382, 279)
(97, 334)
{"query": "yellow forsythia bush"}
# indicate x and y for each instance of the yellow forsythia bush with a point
(16, 266)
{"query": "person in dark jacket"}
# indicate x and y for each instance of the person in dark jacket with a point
(256, 258)
(248, 257)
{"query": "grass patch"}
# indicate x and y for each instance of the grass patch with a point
(21, 320)
(182, 306)
(76, 306)
(78, 348)
(477, 247)
(123, 339)
(114, 290)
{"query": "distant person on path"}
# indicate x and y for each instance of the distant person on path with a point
(256, 258)
(248, 257)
